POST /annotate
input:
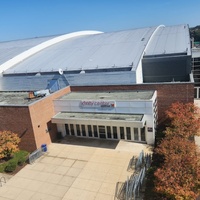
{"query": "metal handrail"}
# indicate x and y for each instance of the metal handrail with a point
(4, 180)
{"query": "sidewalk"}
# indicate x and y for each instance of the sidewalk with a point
(7, 178)
(88, 171)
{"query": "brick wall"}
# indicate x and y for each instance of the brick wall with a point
(167, 93)
(41, 113)
(17, 119)
(33, 123)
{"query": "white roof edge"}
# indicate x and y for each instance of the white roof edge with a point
(22, 56)
(160, 26)
(151, 37)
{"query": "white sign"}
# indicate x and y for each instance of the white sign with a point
(97, 104)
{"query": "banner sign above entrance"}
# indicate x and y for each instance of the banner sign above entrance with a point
(97, 104)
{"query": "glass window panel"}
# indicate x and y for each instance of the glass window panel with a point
(72, 129)
(67, 129)
(90, 130)
(115, 132)
(78, 130)
(101, 129)
(95, 131)
(136, 136)
(143, 138)
(83, 130)
(122, 132)
(108, 132)
(128, 133)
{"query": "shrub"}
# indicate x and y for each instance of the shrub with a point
(21, 156)
(11, 166)
(2, 167)
(21, 161)
(8, 144)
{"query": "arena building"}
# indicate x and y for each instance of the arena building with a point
(91, 84)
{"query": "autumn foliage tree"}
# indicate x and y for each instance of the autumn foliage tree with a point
(8, 143)
(179, 175)
(184, 120)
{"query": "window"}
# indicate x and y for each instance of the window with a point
(67, 129)
(102, 132)
(89, 130)
(128, 133)
(115, 132)
(108, 132)
(72, 129)
(136, 137)
(101, 129)
(83, 130)
(95, 131)
(143, 138)
(78, 130)
(121, 132)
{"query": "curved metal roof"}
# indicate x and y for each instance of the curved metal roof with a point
(88, 57)
(10, 49)
(170, 40)
(84, 52)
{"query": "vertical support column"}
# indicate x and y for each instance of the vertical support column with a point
(86, 130)
(92, 130)
(75, 131)
(132, 133)
(139, 134)
(118, 133)
(106, 132)
(125, 133)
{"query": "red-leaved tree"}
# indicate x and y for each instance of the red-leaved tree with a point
(184, 120)
(179, 175)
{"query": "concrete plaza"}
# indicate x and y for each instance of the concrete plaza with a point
(75, 168)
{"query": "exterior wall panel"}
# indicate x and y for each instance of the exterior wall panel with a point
(167, 93)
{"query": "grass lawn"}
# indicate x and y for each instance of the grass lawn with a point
(15, 163)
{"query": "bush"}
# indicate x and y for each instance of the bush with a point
(8, 144)
(2, 167)
(11, 166)
(21, 161)
(21, 157)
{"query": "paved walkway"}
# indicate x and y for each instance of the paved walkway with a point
(71, 171)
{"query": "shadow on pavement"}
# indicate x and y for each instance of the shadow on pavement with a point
(89, 142)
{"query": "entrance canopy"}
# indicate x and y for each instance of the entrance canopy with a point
(99, 118)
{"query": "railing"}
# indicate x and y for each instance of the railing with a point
(36, 154)
(132, 187)
(2, 179)
(197, 92)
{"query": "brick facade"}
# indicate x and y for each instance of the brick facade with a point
(32, 123)
(41, 113)
(17, 119)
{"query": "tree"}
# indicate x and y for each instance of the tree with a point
(8, 143)
(179, 175)
(184, 120)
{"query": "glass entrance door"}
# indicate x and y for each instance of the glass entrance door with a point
(102, 132)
